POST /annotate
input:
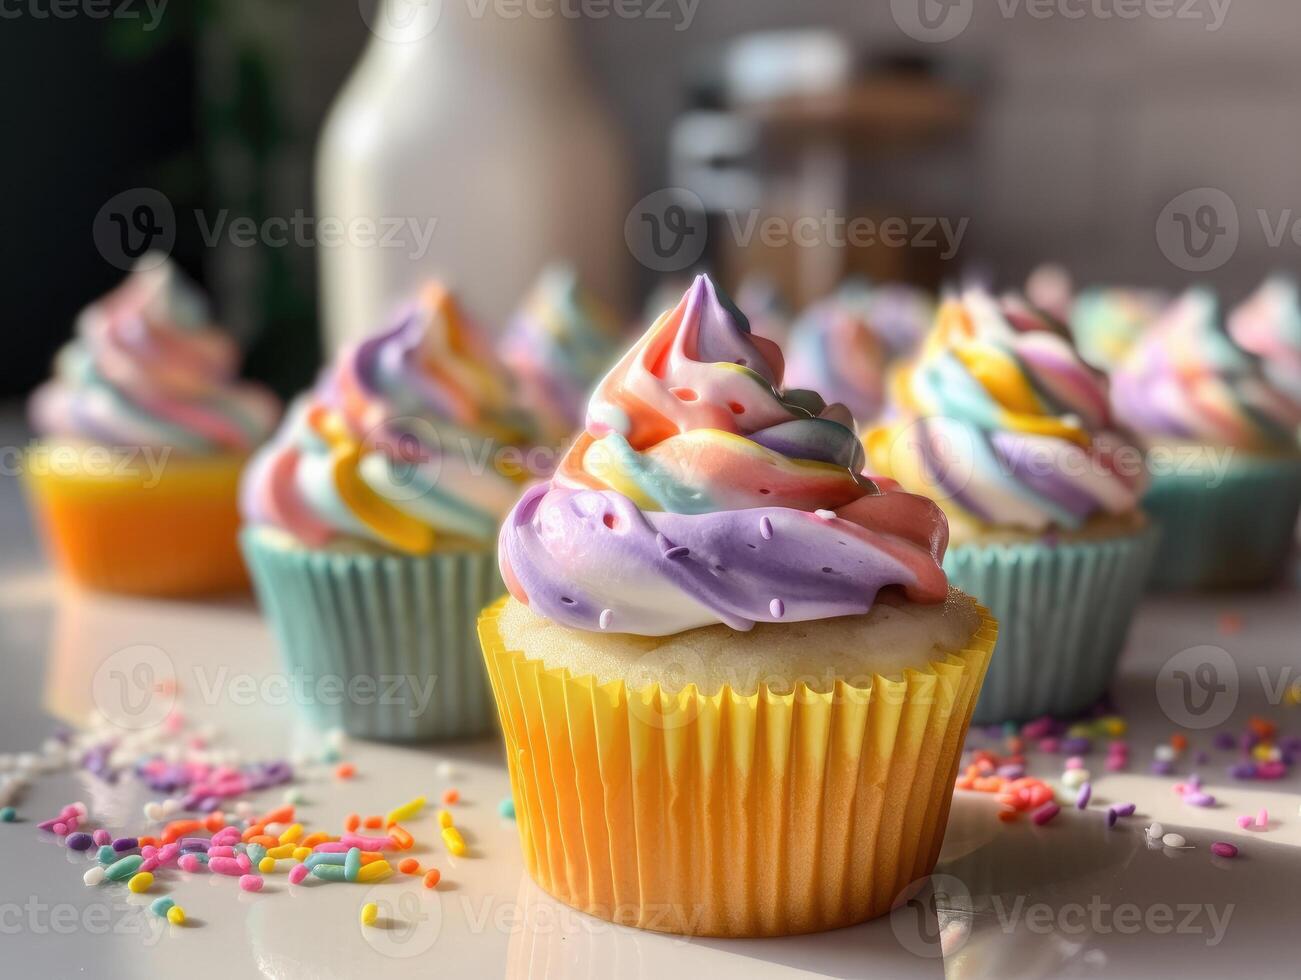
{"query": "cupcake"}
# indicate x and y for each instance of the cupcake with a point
(1222, 447)
(143, 432)
(370, 522)
(723, 641)
(1107, 322)
(1049, 287)
(833, 349)
(558, 345)
(1268, 324)
(1009, 430)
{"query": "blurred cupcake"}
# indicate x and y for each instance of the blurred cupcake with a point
(723, 641)
(1107, 322)
(144, 429)
(1011, 433)
(1268, 324)
(558, 345)
(900, 315)
(833, 349)
(371, 519)
(1222, 448)
(1049, 287)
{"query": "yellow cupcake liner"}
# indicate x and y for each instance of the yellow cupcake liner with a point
(731, 815)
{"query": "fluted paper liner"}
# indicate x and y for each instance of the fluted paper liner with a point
(732, 815)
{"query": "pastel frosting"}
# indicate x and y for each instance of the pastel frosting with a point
(409, 437)
(1106, 322)
(1187, 380)
(700, 492)
(146, 368)
(558, 345)
(833, 349)
(1268, 324)
(1002, 421)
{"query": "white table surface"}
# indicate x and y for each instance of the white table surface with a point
(1068, 899)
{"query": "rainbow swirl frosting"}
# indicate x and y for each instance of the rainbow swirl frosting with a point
(407, 438)
(835, 351)
(701, 493)
(1107, 322)
(558, 345)
(1003, 422)
(1187, 380)
(146, 369)
(1268, 324)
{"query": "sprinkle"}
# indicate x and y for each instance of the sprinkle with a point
(8, 814)
(606, 616)
(401, 837)
(1262, 818)
(176, 915)
(765, 528)
(777, 608)
(80, 842)
(352, 822)
(94, 876)
(506, 809)
(1156, 831)
(432, 877)
(451, 796)
(293, 796)
(1224, 849)
(101, 837)
(267, 865)
(1174, 840)
(161, 906)
(1125, 809)
(445, 818)
(1045, 813)
(454, 841)
(409, 866)
(374, 822)
(826, 515)
(369, 913)
(406, 811)
(681, 551)
(141, 882)
(352, 863)
(1074, 778)
(124, 868)
(328, 872)
(297, 873)
(1082, 798)
(1199, 799)
(301, 853)
(375, 871)
(250, 883)
(1111, 816)
(345, 770)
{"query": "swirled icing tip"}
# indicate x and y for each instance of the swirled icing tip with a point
(155, 291)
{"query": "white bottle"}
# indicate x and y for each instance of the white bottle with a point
(481, 121)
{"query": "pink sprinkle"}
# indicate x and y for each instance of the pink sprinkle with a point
(226, 866)
(367, 843)
(60, 829)
(189, 862)
(765, 528)
(1116, 763)
(1198, 798)
(168, 852)
(253, 883)
(149, 864)
(1222, 848)
(243, 861)
(777, 608)
(1262, 818)
(225, 851)
(1048, 744)
(102, 837)
(1075, 762)
(606, 616)
(1045, 813)
(297, 873)
(1244, 821)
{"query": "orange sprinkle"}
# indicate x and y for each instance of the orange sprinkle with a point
(345, 770)
(352, 823)
(1230, 622)
(147, 841)
(1262, 727)
(214, 821)
(252, 830)
(965, 782)
(373, 822)
(1007, 816)
(311, 840)
(1179, 741)
(368, 856)
(283, 814)
(409, 866)
(432, 877)
(179, 828)
(401, 837)
(266, 840)
(452, 796)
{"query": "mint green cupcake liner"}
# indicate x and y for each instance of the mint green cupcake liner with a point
(383, 646)
(1063, 609)
(1234, 535)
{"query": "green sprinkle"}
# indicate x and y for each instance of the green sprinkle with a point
(506, 808)
(8, 814)
(125, 868)
(160, 906)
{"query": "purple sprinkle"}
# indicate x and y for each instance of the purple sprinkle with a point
(1199, 799)
(1045, 813)
(1082, 798)
(681, 551)
(125, 844)
(765, 528)
(1162, 767)
(777, 608)
(1011, 771)
(1076, 746)
(1111, 816)
(79, 842)
(1224, 740)
(1125, 809)
(1222, 848)
(1242, 770)
(1194, 781)
(606, 616)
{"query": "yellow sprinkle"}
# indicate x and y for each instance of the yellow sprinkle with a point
(302, 853)
(1113, 725)
(283, 851)
(291, 834)
(454, 841)
(374, 871)
(267, 865)
(1293, 694)
(176, 915)
(406, 811)
(140, 882)
(369, 913)
(444, 818)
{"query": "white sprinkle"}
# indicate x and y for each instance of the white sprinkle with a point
(1155, 831)
(154, 812)
(1174, 840)
(765, 528)
(1074, 778)
(170, 806)
(95, 875)
(606, 616)
(293, 796)
(1164, 753)
(446, 770)
(777, 608)
(826, 515)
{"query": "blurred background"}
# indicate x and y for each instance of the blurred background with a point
(1137, 141)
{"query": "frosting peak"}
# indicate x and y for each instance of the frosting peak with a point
(700, 492)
